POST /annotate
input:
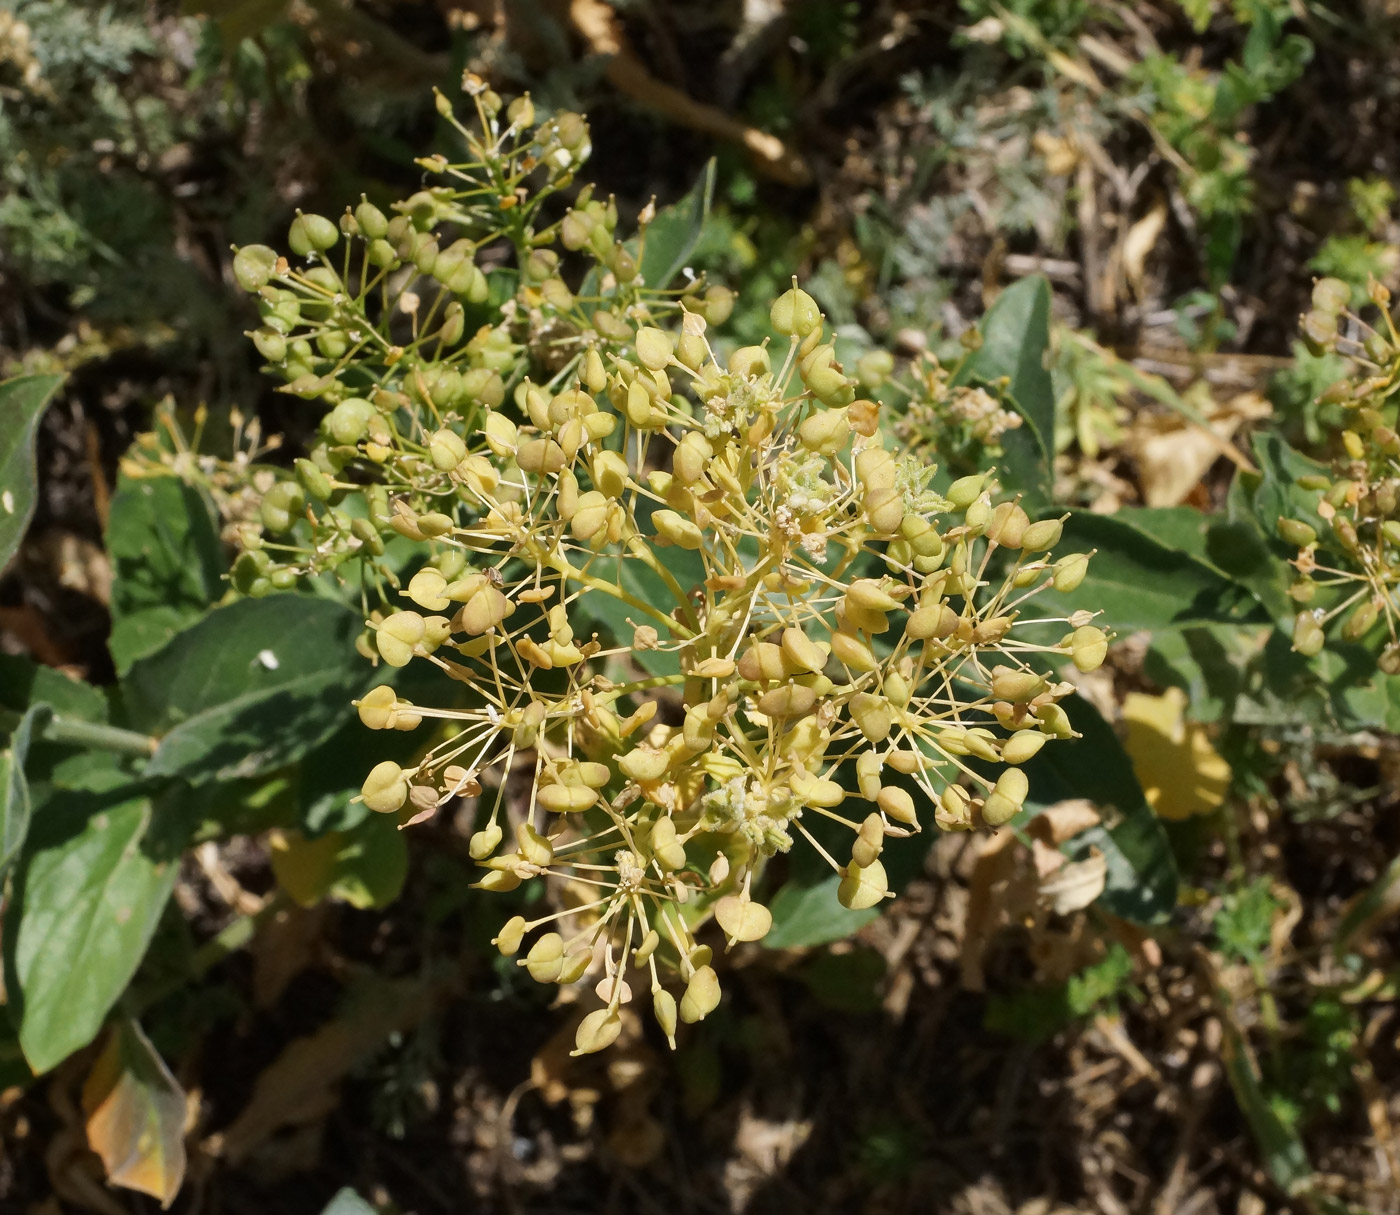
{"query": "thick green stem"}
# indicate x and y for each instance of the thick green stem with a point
(75, 733)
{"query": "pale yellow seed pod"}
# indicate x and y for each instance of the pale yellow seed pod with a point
(817, 791)
(509, 938)
(884, 510)
(590, 515)
(763, 662)
(1016, 686)
(546, 958)
(873, 716)
(956, 803)
(693, 455)
(397, 635)
(1088, 648)
(645, 764)
(533, 846)
(663, 1008)
(1008, 525)
(791, 700)
(560, 799)
(1022, 746)
(701, 995)
(654, 347)
(867, 593)
(981, 743)
(484, 610)
(679, 530)
(1070, 572)
(868, 766)
(539, 456)
(905, 762)
(566, 496)
(501, 434)
(741, 919)
(853, 652)
(795, 314)
(484, 842)
(869, 842)
(377, 707)
(597, 1031)
(385, 789)
(862, 886)
(610, 474)
(647, 947)
(637, 406)
(665, 846)
(965, 490)
(825, 432)
(897, 690)
(595, 376)
(426, 589)
(898, 804)
(801, 652)
(573, 967)
(876, 469)
(933, 622)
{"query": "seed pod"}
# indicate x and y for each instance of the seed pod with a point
(965, 491)
(1330, 295)
(1022, 746)
(1042, 536)
(932, 623)
(484, 842)
(701, 995)
(869, 842)
(282, 505)
(559, 799)
(1070, 572)
(791, 700)
(665, 846)
(385, 789)
(763, 662)
(446, 449)
(1295, 531)
(546, 958)
(741, 919)
(509, 938)
(862, 886)
(825, 432)
(956, 804)
(852, 652)
(1088, 647)
(1362, 618)
(397, 635)
(1007, 526)
(873, 716)
(312, 234)
(817, 791)
(254, 266)
(884, 509)
(874, 367)
(795, 314)
(663, 1008)
(644, 764)
(677, 529)
(801, 652)
(426, 589)
(868, 594)
(532, 846)
(749, 362)
(654, 347)
(898, 804)
(1016, 686)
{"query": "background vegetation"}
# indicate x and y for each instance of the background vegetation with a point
(1169, 988)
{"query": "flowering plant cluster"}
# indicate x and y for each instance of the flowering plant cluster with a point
(701, 609)
(1358, 498)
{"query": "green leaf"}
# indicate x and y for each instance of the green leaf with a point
(671, 236)
(92, 884)
(135, 1115)
(250, 687)
(14, 789)
(167, 563)
(810, 915)
(24, 683)
(347, 1202)
(22, 400)
(1138, 582)
(1015, 338)
(1142, 880)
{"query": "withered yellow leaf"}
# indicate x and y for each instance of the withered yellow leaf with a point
(1180, 772)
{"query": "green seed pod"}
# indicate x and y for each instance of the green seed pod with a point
(247, 569)
(1008, 525)
(750, 362)
(313, 480)
(271, 344)
(677, 529)
(372, 221)
(965, 491)
(254, 266)
(1361, 620)
(1304, 590)
(382, 255)
(1042, 536)
(282, 505)
(654, 347)
(1308, 637)
(718, 304)
(874, 367)
(446, 449)
(312, 234)
(1295, 531)
(1330, 295)
(1389, 661)
(1018, 687)
(368, 535)
(1390, 529)
(795, 314)
(385, 789)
